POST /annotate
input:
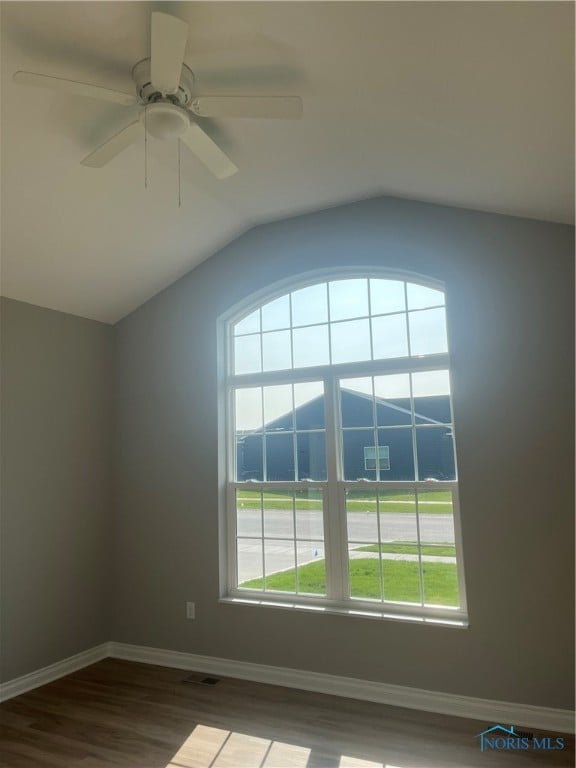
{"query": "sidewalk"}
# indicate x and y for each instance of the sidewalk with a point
(356, 555)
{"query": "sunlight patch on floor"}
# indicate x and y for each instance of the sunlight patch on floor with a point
(208, 747)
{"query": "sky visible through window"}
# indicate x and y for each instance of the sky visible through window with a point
(342, 321)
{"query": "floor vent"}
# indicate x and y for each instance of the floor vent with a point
(199, 679)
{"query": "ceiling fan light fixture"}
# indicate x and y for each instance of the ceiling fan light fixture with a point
(165, 121)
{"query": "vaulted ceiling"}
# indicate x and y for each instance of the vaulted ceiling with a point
(461, 103)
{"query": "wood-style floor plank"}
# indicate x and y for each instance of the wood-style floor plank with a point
(119, 714)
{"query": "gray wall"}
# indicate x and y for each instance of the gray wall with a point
(56, 486)
(509, 292)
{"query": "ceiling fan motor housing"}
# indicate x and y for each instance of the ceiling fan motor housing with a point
(148, 94)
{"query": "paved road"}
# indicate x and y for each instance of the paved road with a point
(278, 530)
(362, 526)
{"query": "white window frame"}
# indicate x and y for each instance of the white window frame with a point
(337, 599)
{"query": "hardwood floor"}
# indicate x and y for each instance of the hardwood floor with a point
(118, 713)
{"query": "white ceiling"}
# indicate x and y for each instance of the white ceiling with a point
(463, 103)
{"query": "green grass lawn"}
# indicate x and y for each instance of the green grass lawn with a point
(445, 550)
(358, 501)
(401, 581)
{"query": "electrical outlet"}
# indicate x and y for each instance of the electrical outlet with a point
(190, 610)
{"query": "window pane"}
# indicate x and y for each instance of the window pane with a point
(311, 346)
(276, 314)
(439, 573)
(428, 332)
(250, 324)
(278, 515)
(249, 458)
(393, 387)
(348, 298)
(279, 457)
(280, 563)
(432, 397)
(398, 516)
(350, 341)
(356, 402)
(389, 338)
(250, 565)
(386, 296)
(399, 534)
(393, 405)
(364, 571)
(436, 514)
(311, 568)
(247, 354)
(435, 447)
(430, 383)
(361, 516)
(309, 405)
(278, 415)
(400, 451)
(276, 352)
(311, 448)
(310, 305)
(353, 442)
(248, 410)
(420, 297)
(249, 513)
(309, 515)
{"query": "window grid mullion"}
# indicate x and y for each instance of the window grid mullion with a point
(329, 323)
(336, 569)
(370, 323)
(296, 579)
(413, 423)
(291, 331)
(262, 539)
(264, 433)
(294, 437)
(380, 548)
(375, 422)
(420, 574)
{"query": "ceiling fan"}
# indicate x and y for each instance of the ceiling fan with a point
(165, 91)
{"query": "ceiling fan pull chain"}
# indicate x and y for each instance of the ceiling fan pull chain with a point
(145, 147)
(179, 178)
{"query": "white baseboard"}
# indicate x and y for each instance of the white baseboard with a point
(485, 710)
(53, 672)
(545, 718)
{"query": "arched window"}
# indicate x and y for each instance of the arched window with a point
(341, 478)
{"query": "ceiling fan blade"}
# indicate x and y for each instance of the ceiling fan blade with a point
(75, 88)
(208, 152)
(114, 146)
(282, 107)
(169, 36)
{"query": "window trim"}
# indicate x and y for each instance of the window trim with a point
(334, 499)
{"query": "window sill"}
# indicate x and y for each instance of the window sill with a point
(459, 621)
